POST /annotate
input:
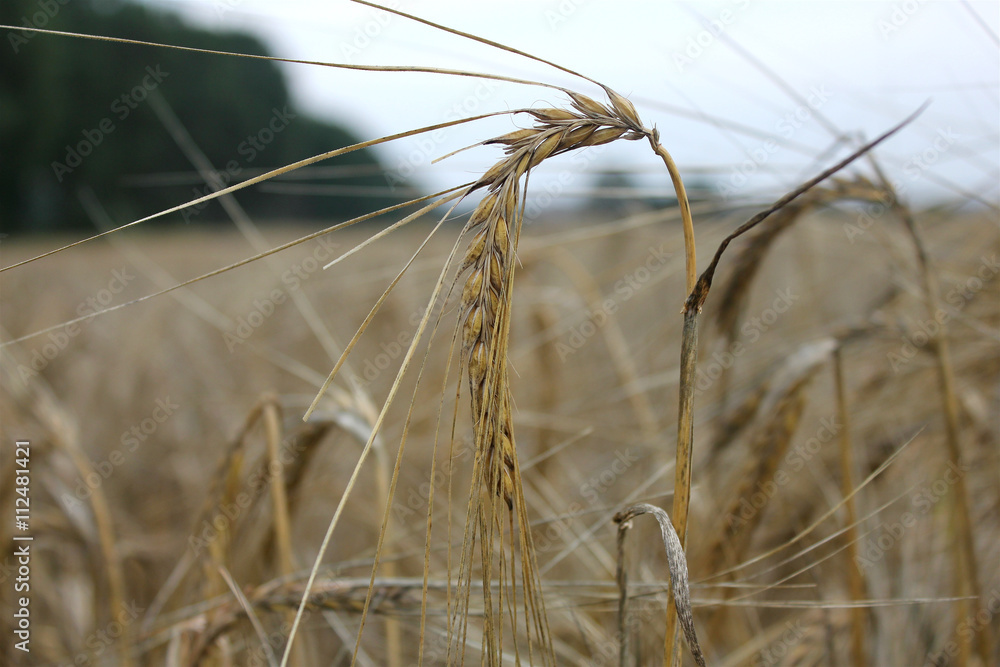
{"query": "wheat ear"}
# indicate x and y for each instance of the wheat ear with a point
(484, 321)
(485, 303)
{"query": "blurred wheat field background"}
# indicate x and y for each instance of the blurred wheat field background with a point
(846, 423)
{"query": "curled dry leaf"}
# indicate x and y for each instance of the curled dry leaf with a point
(677, 563)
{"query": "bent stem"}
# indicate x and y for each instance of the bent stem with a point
(685, 419)
(690, 269)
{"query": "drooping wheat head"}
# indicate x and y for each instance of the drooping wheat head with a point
(496, 222)
(485, 315)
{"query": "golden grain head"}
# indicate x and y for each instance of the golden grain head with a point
(485, 302)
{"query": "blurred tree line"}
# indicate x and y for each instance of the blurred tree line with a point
(76, 113)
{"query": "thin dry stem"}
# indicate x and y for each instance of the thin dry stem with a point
(279, 500)
(855, 578)
(966, 567)
(682, 470)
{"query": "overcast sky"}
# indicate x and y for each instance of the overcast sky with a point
(737, 87)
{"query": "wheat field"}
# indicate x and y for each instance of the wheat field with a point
(438, 449)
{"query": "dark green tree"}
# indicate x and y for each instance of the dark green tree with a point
(76, 113)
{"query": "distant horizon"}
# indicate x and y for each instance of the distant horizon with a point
(769, 125)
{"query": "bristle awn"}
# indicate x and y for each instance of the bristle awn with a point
(239, 217)
(234, 265)
(778, 565)
(696, 298)
(390, 493)
(278, 172)
(382, 233)
(431, 491)
(375, 308)
(475, 38)
(404, 366)
(808, 530)
(251, 615)
(316, 63)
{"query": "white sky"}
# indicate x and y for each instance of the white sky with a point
(873, 62)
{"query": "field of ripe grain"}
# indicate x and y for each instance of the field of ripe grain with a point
(178, 500)
(695, 362)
